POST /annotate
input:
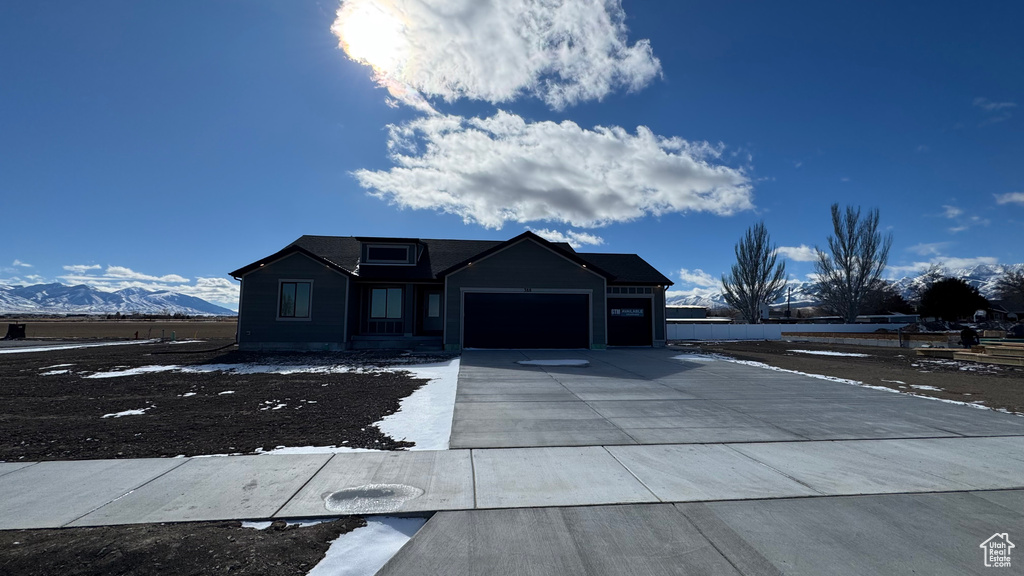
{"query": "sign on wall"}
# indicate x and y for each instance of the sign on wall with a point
(628, 312)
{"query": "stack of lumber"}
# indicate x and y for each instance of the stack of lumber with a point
(1006, 353)
(946, 353)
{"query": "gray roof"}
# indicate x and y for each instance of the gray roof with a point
(440, 255)
(627, 268)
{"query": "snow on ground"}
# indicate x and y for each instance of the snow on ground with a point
(425, 416)
(225, 392)
(313, 450)
(364, 551)
(828, 353)
(235, 369)
(923, 387)
(568, 362)
(136, 412)
(894, 381)
(54, 372)
(17, 350)
(699, 357)
(719, 357)
(300, 522)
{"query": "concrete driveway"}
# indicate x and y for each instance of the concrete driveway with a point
(784, 433)
(645, 396)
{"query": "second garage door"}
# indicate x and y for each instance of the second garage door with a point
(525, 320)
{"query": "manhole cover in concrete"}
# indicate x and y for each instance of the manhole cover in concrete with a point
(371, 498)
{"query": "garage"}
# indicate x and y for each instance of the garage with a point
(629, 322)
(526, 320)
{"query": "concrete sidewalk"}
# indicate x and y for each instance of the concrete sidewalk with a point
(936, 534)
(104, 492)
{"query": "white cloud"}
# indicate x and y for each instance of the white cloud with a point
(219, 291)
(801, 253)
(698, 277)
(929, 249)
(1010, 198)
(495, 50)
(951, 211)
(572, 237)
(990, 106)
(19, 263)
(122, 273)
(82, 268)
(500, 169)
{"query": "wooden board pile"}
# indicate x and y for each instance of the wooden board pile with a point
(1005, 353)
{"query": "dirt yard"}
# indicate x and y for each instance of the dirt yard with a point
(901, 369)
(193, 549)
(53, 407)
(123, 329)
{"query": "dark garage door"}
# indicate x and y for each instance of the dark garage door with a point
(526, 320)
(629, 322)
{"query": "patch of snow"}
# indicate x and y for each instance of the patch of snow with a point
(300, 522)
(185, 342)
(235, 369)
(923, 387)
(225, 392)
(257, 525)
(313, 450)
(54, 372)
(187, 394)
(699, 357)
(133, 371)
(567, 362)
(364, 551)
(829, 353)
(135, 412)
(425, 416)
(56, 366)
(893, 381)
(71, 346)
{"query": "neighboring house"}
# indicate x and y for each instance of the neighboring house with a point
(337, 293)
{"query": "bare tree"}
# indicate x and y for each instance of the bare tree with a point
(1010, 287)
(858, 257)
(754, 279)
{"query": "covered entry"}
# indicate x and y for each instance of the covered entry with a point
(630, 322)
(526, 320)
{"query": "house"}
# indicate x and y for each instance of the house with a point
(339, 293)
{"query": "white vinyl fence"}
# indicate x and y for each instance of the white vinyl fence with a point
(763, 331)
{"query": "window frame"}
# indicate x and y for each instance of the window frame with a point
(280, 294)
(387, 303)
(406, 262)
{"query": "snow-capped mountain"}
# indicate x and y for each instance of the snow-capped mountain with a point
(983, 277)
(82, 299)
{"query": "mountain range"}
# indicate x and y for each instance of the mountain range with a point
(983, 277)
(62, 299)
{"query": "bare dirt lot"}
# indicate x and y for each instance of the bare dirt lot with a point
(191, 549)
(994, 386)
(51, 408)
(123, 329)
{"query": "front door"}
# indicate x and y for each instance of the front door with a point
(431, 313)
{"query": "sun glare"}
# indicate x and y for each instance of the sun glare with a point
(372, 34)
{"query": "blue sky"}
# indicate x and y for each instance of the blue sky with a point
(163, 144)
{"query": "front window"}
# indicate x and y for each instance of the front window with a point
(386, 303)
(387, 254)
(294, 300)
